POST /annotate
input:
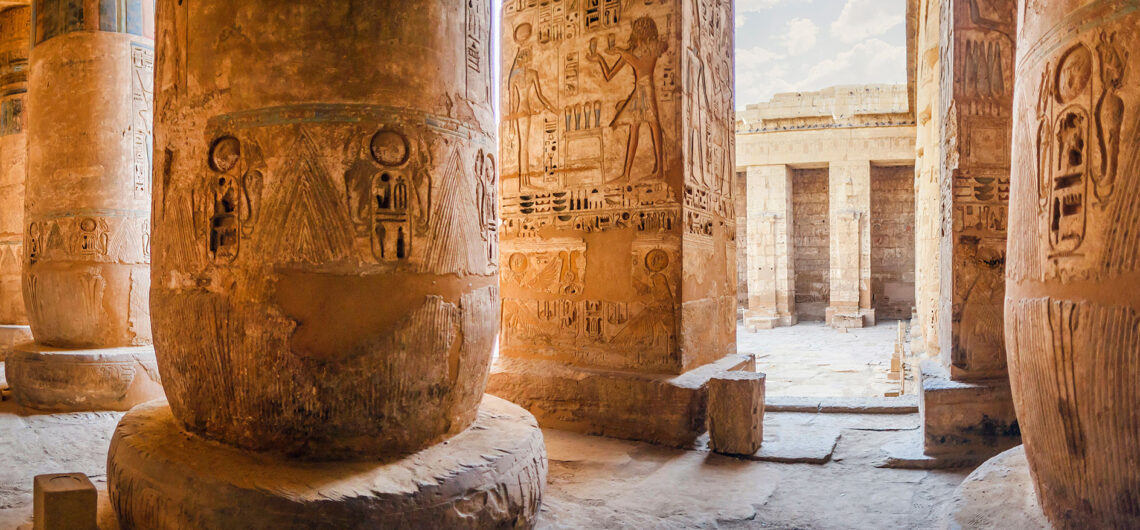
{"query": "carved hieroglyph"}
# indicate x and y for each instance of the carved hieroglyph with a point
(14, 30)
(976, 115)
(1072, 295)
(618, 202)
(87, 225)
(325, 280)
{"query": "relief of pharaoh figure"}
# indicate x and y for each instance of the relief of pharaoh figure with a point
(640, 108)
(526, 100)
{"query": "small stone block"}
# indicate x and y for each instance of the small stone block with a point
(736, 412)
(64, 502)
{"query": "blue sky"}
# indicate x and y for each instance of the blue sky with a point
(794, 45)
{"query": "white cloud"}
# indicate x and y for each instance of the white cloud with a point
(740, 20)
(754, 6)
(861, 19)
(800, 36)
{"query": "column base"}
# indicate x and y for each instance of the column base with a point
(845, 319)
(759, 321)
(999, 494)
(655, 408)
(11, 336)
(972, 420)
(490, 476)
(58, 380)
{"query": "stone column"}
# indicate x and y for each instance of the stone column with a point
(966, 404)
(1073, 284)
(618, 213)
(14, 31)
(87, 215)
(927, 191)
(771, 274)
(325, 294)
(850, 211)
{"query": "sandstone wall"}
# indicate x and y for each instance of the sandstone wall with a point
(892, 241)
(811, 242)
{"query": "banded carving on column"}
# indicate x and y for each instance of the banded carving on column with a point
(1072, 295)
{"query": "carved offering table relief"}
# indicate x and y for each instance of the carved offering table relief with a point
(325, 291)
(1072, 296)
(618, 233)
(86, 229)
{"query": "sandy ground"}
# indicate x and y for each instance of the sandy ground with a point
(598, 482)
(812, 359)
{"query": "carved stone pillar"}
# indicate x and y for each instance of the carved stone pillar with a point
(850, 212)
(618, 206)
(966, 403)
(771, 274)
(1073, 284)
(87, 217)
(325, 294)
(14, 30)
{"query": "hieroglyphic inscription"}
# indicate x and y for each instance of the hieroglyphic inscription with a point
(142, 98)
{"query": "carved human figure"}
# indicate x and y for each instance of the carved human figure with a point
(640, 107)
(525, 100)
(487, 182)
(698, 106)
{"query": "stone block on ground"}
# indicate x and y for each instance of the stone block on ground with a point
(662, 409)
(736, 412)
(66, 501)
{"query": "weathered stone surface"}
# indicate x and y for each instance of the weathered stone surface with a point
(54, 379)
(325, 254)
(965, 420)
(999, 494)
(1071, 294)
(14, 32)
(664, 409)
(491, 475)
(736, 412)
(65, 501)
(87, 215)
(618, 200)
(12, 336)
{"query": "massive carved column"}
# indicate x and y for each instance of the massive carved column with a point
(325, 282)
(771, 272)
(87, 215)
(618, 212)
(14, 31)
(1072, 297)
(966, 404)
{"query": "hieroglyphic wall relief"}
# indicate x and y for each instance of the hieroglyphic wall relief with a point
(615, 136)
(977, 108)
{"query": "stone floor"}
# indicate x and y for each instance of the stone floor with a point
(812, 359)
(603, 483)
